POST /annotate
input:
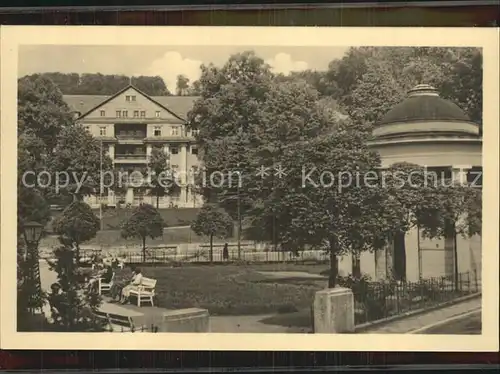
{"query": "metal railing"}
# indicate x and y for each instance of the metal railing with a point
(380, 300)
(132, 135)
(130, 156)
(170, 255)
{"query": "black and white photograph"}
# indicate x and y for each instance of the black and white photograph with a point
(239, 188)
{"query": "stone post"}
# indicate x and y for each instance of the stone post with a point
(334, 311)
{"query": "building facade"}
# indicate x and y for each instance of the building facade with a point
(130, 124)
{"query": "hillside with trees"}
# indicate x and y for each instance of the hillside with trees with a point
(101, 84)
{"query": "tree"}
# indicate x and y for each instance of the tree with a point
(182, 85)
(162, 181)
(78, 154)
(74, 310)
(368, 81)
(76, 225)
(455, 208)
(330, 197)
(144, 222)
(195, 88)
(409, 191)
(102, 84)
(42, 111)
(212, 222)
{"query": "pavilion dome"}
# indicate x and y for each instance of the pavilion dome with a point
(424, 104)
(424, 113)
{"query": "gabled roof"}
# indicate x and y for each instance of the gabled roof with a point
(178, 106)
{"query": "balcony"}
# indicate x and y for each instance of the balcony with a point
(130, 135)
(131, 157)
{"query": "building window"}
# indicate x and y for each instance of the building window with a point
(125, 113)
(133, 98)
(174, 150)
(136, 113)
(143, 113)
(175, 131)
(103, 113)
(157, 114)
(127, 98)
(194, 150)
(157, 131)
(130, 98)
(102, 131)
(195, 132)
(118, 113)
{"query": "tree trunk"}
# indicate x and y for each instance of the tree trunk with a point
(334, 266)
(157, 201)
(211, 252)
(356, 265)
(143, 249)
(77, 255)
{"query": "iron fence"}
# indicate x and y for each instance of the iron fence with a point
(202, 255)
(379, 300)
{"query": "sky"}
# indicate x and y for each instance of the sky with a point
(164, 61)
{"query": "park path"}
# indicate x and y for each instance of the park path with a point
(409, 324)
(248, 324)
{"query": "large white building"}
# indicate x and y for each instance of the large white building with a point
(130, 124)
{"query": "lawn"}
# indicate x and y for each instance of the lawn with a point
(235, 290)
(112, 218)
(112, 238)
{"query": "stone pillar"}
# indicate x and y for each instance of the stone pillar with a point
(380, 264)
(111, 151)
(183, 174)
(129, 197)
(148, 150)
(166, 148)
(334, 311)
(460, 172)
(389, 262)
(459, 175)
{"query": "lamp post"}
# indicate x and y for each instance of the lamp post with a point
(32, 234)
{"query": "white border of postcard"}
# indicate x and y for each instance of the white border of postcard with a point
(14, 36)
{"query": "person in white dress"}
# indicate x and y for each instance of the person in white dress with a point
(136, 282)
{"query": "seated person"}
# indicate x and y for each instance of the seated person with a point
(57, 302)
(105, 275)
(135, 282)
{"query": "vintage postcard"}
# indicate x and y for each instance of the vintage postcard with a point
(281, 184)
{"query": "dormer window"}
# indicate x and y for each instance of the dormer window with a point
(103, 113)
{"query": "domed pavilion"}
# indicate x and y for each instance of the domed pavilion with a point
(433, 132)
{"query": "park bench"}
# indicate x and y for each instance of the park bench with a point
(145, 291)
(106, 286)
(118, 323)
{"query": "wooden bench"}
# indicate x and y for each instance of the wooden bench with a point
(115, 322)
(145, 292)
(106, 286)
